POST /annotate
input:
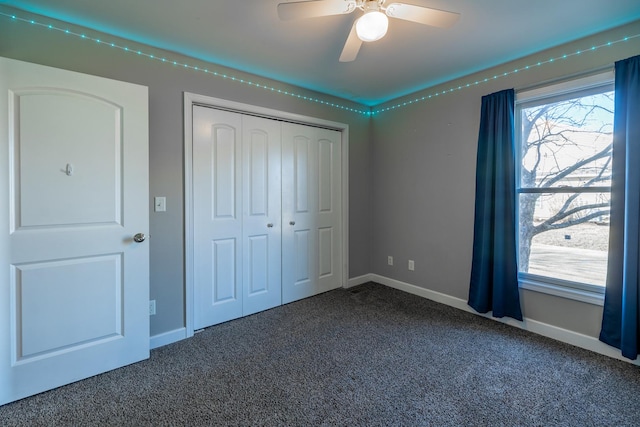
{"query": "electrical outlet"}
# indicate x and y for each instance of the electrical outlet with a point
(152, 307)
(390, 260)
(412, 265)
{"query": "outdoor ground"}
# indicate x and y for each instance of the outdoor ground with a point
(582, 257)
(583, 236)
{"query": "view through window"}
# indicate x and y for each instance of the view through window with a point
(565, 144)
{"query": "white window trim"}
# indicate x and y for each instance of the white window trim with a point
(530, 283)
(584, 292)
(564, 87)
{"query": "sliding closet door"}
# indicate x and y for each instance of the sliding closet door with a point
(311, 211)
(261, 225)
(217, 208)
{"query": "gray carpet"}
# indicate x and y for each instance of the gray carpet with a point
(369, 356)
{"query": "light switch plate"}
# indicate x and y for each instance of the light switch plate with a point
(160, 204)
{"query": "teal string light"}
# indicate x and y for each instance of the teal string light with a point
(506, 73)
(186, 65)
(370, 112)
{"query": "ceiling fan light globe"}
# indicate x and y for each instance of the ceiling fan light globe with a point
(372, 26)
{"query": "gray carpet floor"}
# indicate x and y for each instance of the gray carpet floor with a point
(366, 356)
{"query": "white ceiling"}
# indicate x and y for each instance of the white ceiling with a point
(247, 35)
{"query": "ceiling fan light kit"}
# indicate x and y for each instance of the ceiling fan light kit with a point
(372, 25)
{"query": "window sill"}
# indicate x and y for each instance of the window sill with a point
(595, 298)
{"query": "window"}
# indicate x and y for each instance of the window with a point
(564, 136)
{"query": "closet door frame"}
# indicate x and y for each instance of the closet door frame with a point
(191, 99)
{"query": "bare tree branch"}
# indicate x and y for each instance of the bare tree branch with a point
(573, 222)
(550, 224)
(568, 170)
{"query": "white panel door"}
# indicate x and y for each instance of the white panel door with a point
(311, 211)
(217, 207)
(261, 214)
(74, 286)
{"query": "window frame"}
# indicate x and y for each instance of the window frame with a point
(602, 81)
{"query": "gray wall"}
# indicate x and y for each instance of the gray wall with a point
(411, 170)
(166, 86)
(424, 180)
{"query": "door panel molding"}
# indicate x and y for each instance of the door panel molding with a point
(36, 205)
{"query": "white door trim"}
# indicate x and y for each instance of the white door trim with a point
(191, 99)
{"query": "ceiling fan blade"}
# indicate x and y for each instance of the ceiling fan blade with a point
(422, 15)
(312, 9)
(352, 46)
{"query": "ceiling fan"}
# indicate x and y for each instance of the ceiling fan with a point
(372, 25)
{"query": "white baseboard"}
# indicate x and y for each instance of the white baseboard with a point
(176, 335)
(422, 292)
(166, 338)
(564, 335)
(355, 281)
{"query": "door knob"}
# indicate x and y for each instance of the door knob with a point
(270, 225)
(292, 223)
(139, 238)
